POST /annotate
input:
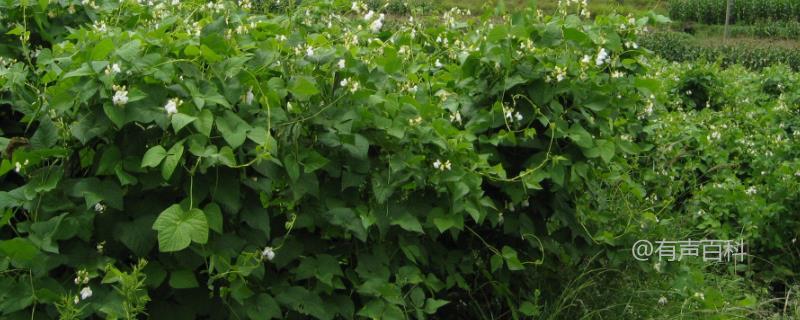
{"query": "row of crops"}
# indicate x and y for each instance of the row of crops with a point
(744, 11)
(323, 159)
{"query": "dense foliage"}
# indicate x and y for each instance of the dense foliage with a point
(678, 46)
(322, 160)
(744, 11)
(302, 160)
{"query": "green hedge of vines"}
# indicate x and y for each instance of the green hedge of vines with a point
(222, 159)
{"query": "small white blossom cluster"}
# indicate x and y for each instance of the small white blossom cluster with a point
(90, 4)
(602, 57)
(100, 26)
(350, 84)
(510, 114)
(113, 69)
(216, 7)
(18, 166)
(455, 117)
(409, 87)
(648, 108)
(245, 27)
(617, 74)
(415, 121)
(376, 24)
(454, 15)
(631, 45)
(268, 253)
(751, 191)
(249, 97)
(443, 166)
(511, 207)
(82, 278)
(99, 207)
(172, 106)
(358, 6)
(559, 73)
(120, 97)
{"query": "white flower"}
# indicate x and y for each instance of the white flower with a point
(662, 301)
(602, 57)
(99, 207)
(309, 51)
(369, 15)
(17, 167)
(442, 165)
(518, 116)
(113, 69)
(172, 106)
(447, 165)
(586, 59)
(700, 295)
(249, 97)
(376, 25)
(268, 253)
(456, 117)
(340, 64)
(86, 293)
(751, 191)
(438, 63)
(76, 300)
(120, 97)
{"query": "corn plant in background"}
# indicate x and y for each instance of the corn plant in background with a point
(745, 11)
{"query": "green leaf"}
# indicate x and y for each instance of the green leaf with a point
(180, 120)
(178, 228)
(431, 305)
(605, 149)
(303, 87)
(214, 217)
(152, 158)
(182, 279)
(130, 50)
(20, 250)
(109, 160)
(510, 255)
(204, 122)
(580, 136)
(408, 222)
(312, 161)
(264, 307)
(347, 218)
(233, 129)
(496, 262)
(102, 49)
(46, 135)
(171, 161)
